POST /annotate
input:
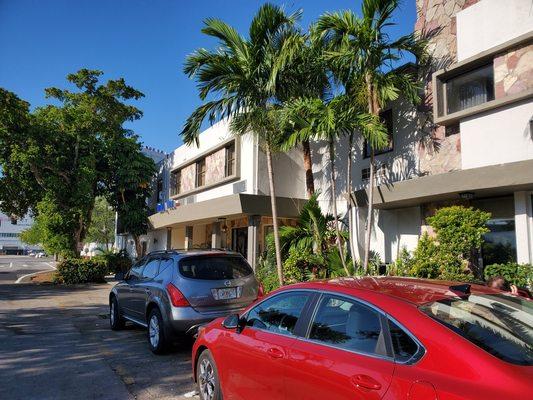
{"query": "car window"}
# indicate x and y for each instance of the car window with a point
(151, 269)
(500, 324)
(403, 345)
(136, 270)
(348, 325)
(278, 314)
(215, 267)
(165, 269)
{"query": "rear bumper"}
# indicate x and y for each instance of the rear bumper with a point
(188, 320)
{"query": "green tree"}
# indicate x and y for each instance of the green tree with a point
(244, 74)
(102, 226)
(362, 49)
(57, 159)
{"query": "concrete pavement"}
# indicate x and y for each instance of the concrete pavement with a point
(56, 344)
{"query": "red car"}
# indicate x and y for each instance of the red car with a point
(371, 338)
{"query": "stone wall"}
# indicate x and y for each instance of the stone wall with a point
(214, 167)
(513, 72)
(438, 153)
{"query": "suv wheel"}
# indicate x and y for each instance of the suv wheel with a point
(207, 377)
(156, 332)
(115, 319)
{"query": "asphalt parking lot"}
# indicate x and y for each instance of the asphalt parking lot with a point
(56, 344)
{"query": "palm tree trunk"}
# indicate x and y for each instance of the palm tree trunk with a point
(349, 191)
(308, 167)
(279, 264)
(370, 212)
(334, 202)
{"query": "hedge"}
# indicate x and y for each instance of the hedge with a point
(78, 270)
(520, 275)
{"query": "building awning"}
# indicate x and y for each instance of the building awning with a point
(227, 206)
(493, 180)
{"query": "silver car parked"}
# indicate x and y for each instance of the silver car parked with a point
(174, 292)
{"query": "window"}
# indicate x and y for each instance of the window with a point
(159, 189)
(349, 325)
(13, 221)
(165, 269)
(200, 173)
(403, 345)
(230, 160)
(470, 89)
(499, 246)
(136, 270)
(175, 183)
(9, 234)
(214, 268)
(278, 314)
(500, 324)
(151, 269)
(386, 118)
(380, 172)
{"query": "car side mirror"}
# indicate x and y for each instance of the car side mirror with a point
(233, 321)
(119, 276)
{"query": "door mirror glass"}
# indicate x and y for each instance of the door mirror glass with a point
(231, 322)
(119, 276)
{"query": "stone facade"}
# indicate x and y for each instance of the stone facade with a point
(439, 153)
(188, 178)
(513, 72)
(214, 167)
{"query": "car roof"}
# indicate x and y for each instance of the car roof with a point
(194, 252)
(412, 290)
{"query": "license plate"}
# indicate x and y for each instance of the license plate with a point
(225, 293)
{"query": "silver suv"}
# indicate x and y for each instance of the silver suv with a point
(174, 292)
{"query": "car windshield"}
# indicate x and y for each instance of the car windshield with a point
(500, 324)
(214, 267)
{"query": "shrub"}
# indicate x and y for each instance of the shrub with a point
(516, 274)
(115, 262)
(267, 274)
(302, 265)
(77, 270)
(403, 263)
(460, 229)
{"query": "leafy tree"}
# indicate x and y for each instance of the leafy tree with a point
(245, 75)
(362, 50)
(102, 227)
(58, 159)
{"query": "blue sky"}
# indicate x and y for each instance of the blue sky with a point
(144, 41)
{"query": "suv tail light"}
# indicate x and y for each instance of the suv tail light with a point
(176, 297)
(260, 291)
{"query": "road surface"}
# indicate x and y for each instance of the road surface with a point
(56, 344)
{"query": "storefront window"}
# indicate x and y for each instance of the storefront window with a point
(500, 242)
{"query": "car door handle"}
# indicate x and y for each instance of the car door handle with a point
(366, 382)
(275, 353)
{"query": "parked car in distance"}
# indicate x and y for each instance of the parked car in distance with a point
(370, 338)
(174, 292)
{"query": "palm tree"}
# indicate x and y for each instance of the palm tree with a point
(363, 49)
(329, 118)
(244, 74)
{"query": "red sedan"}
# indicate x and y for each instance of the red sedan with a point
(371, 338)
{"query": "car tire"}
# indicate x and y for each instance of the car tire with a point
(207, 377)
(157, 339)
(115, 319)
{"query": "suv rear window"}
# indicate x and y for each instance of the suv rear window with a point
(214, 267)
(500, 324)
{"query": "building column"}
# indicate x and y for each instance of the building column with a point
(188, 237)
(254, 222)
(216, 236)
(169, 239)
(523, 227)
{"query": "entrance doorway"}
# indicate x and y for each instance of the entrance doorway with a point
(239, 241)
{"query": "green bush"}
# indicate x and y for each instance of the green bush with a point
(115, 262)
(403, 263)
(78, 270)
(302, 265)
(267, 274)
(516, 274)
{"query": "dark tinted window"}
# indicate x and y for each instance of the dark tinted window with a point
(214, 267)
(151, 269)
(278, 314)
(470, 89)
(136, 270)
(348, 325)
(500, 324)
(165, 269)
(403, 345)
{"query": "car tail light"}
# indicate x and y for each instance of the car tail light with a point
(176, 297)
(260, 291)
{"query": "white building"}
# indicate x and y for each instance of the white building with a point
(10, 229)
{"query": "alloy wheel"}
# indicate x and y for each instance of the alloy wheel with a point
(207, 380)
(112, 313)
(153, 331)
